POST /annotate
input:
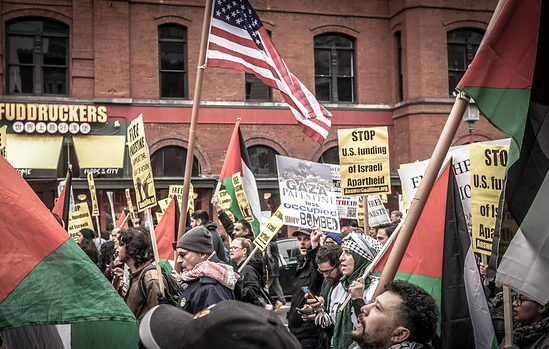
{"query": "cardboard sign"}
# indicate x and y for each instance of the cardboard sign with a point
(225, 203)
(364, 161)
(271, 228)
(93, 195)
(129, 203)
(3, 141)
(346, 207)
(307, 194)
(79, 219)
(488, 164)
(176, 191)
(142, 175)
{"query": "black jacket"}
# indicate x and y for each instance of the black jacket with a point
(306, 275)
(216, 241)
(227, 223)
(249, 289)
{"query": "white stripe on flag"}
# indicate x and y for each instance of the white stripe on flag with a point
(250, 188)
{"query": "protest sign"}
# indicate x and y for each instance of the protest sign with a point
(307, 194)
(346, 207)
(488, 164)
(364, 160)
(176, 191)
(269, 231)
(411, 174)
(241, 198)
(225, 203)
(163, 204)
(3, 141)
(129, 203)
(79, 219)
(142, 175)
(93, 195)
(377, 213)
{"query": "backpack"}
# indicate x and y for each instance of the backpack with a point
(172, 289)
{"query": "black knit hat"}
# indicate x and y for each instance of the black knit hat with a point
(228, 324)
(88, 233)
(198, 239)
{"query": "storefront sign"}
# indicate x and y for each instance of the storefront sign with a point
(46, 113)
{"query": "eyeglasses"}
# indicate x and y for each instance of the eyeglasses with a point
(327, 272)
(235, 248)
(518, 299)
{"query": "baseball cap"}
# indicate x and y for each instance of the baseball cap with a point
(305, 231)
(228, 324)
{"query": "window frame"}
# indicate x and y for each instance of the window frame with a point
(185, 71)
(469, 53)
(158, 158)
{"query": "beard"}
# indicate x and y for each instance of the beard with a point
(359, 335)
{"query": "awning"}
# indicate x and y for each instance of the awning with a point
(36, 156)
(104, 155)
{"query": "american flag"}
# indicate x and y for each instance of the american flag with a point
(238, 40)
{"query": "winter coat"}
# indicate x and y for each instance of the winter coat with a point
(249, 289)
(135, 301)
(216, 241)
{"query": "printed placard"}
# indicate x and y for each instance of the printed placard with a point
(364, 161)
(129, 203)
(176, 191)
(377, 213)
(79, 219)
(488, 164)
(3, 141)
(142, 175)
(241, 198)
(307, 194)
(269, 231)
(93, 195)
(163, 204)
(347, 207)
(225, 203)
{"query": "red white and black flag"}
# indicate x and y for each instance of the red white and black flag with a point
(238, 40)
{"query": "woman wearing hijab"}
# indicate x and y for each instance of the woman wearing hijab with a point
(359, 250)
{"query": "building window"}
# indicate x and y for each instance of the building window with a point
(330, 156)
(263, 161)
(172, 47)
(334, 68)
(170, 162)
(462, 47)
(37, 57)
(256, 90)
(400, 81)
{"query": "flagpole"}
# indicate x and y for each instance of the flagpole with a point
(148, 216)
(508, 316)
(366, 220)
(194, 118)
(425, 187)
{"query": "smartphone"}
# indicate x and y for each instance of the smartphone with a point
(306, 290)
(303, 311)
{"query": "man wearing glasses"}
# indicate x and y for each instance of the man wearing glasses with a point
(532, 331)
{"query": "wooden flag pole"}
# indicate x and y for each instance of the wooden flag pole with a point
(425, 186)
(98, 229)
(507, 316)
(248, 259)
(148, 216)
(366, 220)
(194, 118)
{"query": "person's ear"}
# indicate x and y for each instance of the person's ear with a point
(542, 309)
(400, 334)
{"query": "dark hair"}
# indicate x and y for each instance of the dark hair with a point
(138, 245)
(418, 311)
(88, 246)
(105, 235)
(202, 215)
(388, 228)
(245, 243)
(329, 253)
(106, 255)
(397, 213)
(245, 224)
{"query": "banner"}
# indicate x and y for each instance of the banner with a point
(411, 174)
(307, 194)
(79, 219)
(271, 228)
(3, 141)
(346, 207)
(364, 160)
(177, 192)
(130, 204)
(93, 195)
(377, 213)
(225, 203)
(142, 175)
(488, 163)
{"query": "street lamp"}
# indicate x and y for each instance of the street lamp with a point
(470, 116)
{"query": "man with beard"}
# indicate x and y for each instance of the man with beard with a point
(404, 316)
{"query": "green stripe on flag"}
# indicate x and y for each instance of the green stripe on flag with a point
(235, 209)
(104, 334)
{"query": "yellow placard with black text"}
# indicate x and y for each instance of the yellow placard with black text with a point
(142, 175)
(364, 161)
(93, 194)
(488, 164)
(177, 192)
(79, 219)
(269, 231)
(225, 203)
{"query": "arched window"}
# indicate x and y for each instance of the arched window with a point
(334, 68)
(37, 56)
(172, 51)
(263, 160)
(462, 47)
(330, 156)
(170, 162)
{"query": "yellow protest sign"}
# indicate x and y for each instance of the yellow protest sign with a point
(158, 216)
(79, 219)
(177, 192)
(269, 231)
(138, 150)
(364, 161)
(163, 204)
(241, 198)
(488, 164)
(225, 203)
(129, 203)
(93, 195)
(3, 142)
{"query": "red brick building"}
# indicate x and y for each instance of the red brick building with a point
(371, 63)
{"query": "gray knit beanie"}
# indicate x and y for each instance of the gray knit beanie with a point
(198, 239)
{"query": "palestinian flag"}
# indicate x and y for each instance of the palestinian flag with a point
(238, 161)
(121, 220)
(440, 259)
(508, 80)
(52, 295)
(166, 235)
(62, 203)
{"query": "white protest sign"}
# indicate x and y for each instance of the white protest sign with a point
(346, 207)
(377, 213)
(307, 194)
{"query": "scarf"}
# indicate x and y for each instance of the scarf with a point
(363, 248)
(409, 345)
(526, 334)
(222, 273)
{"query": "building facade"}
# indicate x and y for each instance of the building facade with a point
(74, 73)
